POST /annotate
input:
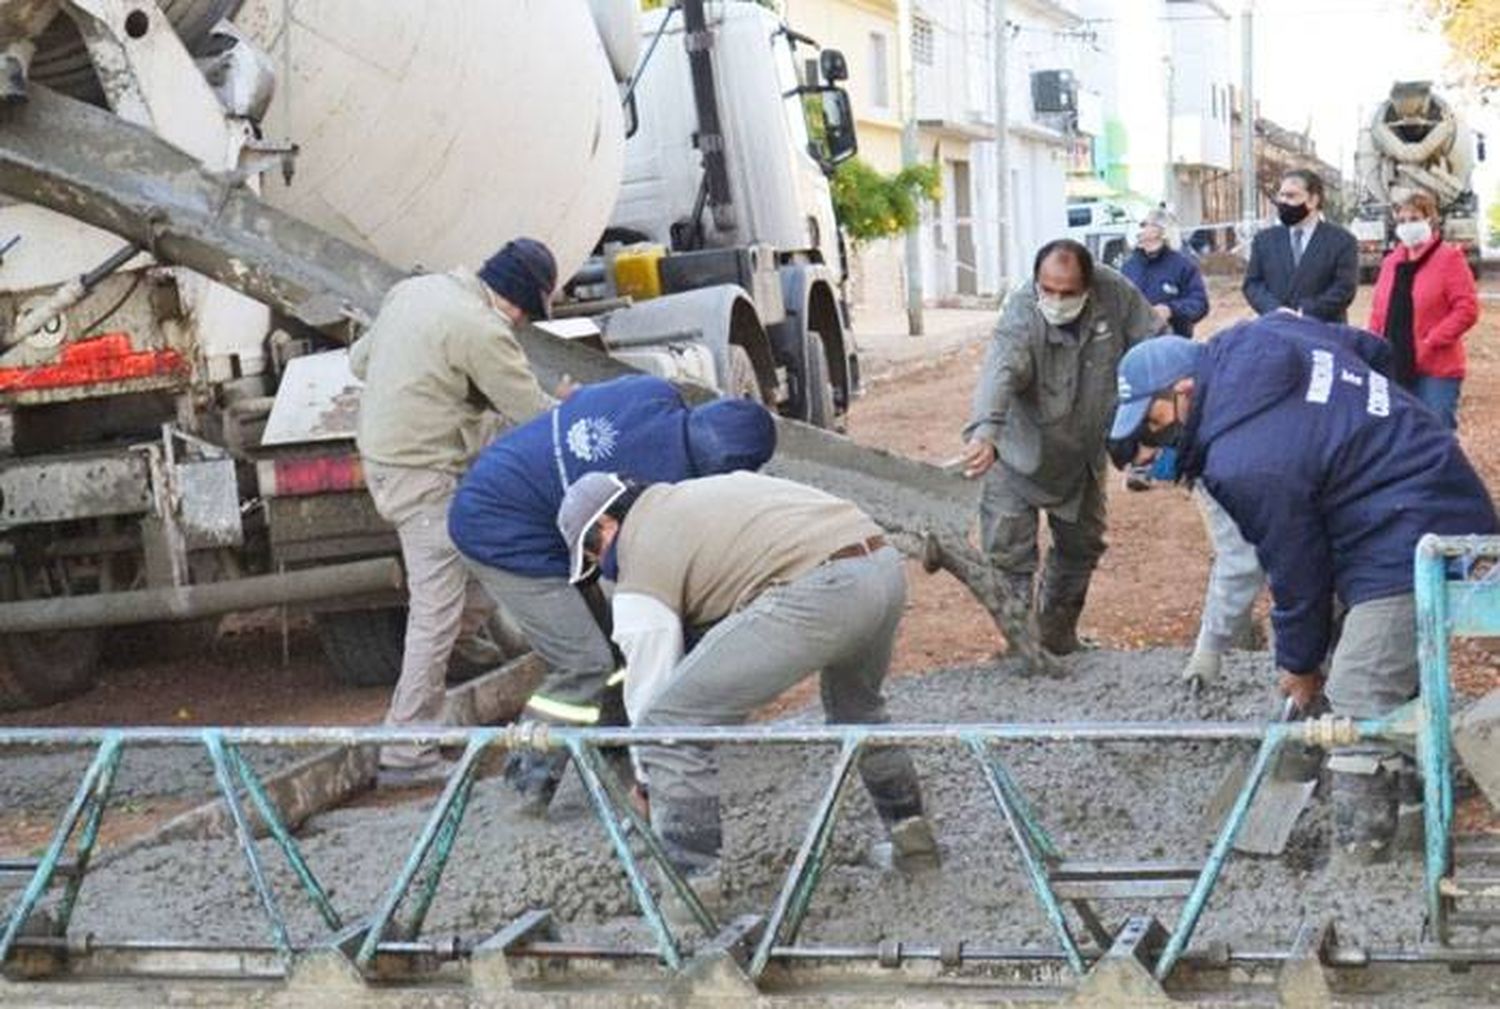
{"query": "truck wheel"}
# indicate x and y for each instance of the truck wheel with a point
(818, 409)
(743, 383)
(364, 647)
(47, 666)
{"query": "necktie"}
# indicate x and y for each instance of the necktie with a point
(1297, 238)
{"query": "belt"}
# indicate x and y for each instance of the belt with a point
(861, 549)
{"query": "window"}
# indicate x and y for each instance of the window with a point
(923, 45)
(880, 71)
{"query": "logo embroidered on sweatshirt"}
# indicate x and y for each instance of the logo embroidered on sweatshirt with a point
(592, 439)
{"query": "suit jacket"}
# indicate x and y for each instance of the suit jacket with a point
(1322, 285)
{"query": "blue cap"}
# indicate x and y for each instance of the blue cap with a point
(1150, 367)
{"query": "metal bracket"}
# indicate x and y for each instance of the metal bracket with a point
(1303, 982)
(1123, 975)
(491, 966)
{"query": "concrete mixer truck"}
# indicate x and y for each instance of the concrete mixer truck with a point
(172, 448)
(1415, 140)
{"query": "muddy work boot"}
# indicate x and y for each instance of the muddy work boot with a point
(1019, 625)
(535, 777)
(1203, 667)
(1062, 596)
(910, 847)
(1364, 815)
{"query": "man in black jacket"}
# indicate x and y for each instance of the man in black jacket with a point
(1306, 263)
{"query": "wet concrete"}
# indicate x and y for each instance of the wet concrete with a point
(1112, 802)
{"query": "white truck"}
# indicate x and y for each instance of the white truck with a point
(175, 449)
(1415, 141)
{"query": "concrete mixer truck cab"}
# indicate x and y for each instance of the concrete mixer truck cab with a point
(725, 226)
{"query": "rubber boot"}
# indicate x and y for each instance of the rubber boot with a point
(1057, 614)
(535, 777)
(1411, 807)
(891, 779)
(1203, 667)
(1364, 815)
(1018, 623)
(692, 836)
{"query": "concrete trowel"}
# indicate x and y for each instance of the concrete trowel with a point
(1281, 798)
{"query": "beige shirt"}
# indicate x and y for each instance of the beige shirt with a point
(436, 359)
(706, 548)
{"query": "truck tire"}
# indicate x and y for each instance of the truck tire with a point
(364, 647)
(743, 383)
(47, 667)
(818, 386)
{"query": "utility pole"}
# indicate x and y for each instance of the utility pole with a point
(1002, 146)
(910, 156)
(1250, 185)
(1169, 183)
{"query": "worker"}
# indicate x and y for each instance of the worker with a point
(794, 581)
(1425, 301)
(441, 353)
(1041, 413)
(504, 521)
(1306, 263)
(1333, 473)
(1170, 280)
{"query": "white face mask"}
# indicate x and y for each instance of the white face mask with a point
(1413, 233)
(1061, 311)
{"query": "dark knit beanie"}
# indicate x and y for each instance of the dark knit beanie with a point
(523, 273)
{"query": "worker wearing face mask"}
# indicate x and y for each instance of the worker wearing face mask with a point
(1041, 413)
(1307, 263)
(1425, 301)
(1169, 280)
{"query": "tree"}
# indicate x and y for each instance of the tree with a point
(873, 205)
(1472, 28)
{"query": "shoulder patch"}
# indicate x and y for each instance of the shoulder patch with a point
(1379, 402)
(1320, 385)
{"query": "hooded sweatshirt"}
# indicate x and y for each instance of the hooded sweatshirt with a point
(1172, 279)
(504, 514)
(1331, 470)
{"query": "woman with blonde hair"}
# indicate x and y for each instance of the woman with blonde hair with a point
(1425, 301)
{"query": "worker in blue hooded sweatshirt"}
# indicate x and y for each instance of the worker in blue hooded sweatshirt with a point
(1333, 473)
(504, 522)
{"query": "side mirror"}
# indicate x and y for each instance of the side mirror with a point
(835, 67)
(830, 126)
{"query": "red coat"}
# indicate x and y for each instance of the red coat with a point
(1445, 306)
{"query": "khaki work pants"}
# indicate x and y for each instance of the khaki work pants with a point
(444, 600)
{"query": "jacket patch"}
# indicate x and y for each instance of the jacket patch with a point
(592, 439)
(1320, 386)
(1379, 402)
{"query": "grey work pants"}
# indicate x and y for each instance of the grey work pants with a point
(443, 601)
(1373, 671)
(558, 624)
(1008, 526)
(839, 618)
(1234, 580)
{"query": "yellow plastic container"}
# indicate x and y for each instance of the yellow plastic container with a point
(638, 271)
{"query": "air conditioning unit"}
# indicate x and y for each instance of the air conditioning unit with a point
(1054, 91)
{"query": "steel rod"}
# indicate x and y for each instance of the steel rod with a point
(109, 753)
(83, 852)
(667, 947)
(1192, 910)
(796, 891)
(554, 737)
(998, 779)
(477, 742)
(271, 817)
(1434, 745)
(246, 837)
(447, 836)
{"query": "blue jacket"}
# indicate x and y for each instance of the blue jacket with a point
(1331, 470)
(1170, 279)
(505, 511)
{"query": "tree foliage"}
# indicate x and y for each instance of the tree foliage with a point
(1472, 28)
(872, 205)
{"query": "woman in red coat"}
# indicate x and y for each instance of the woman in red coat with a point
(1425, 301)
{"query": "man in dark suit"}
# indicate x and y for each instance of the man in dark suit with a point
(1306, 263)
